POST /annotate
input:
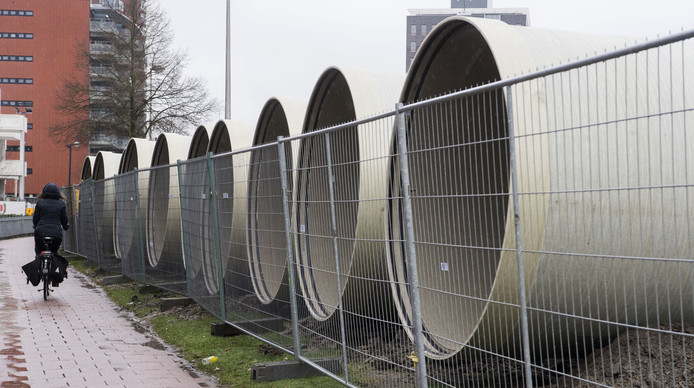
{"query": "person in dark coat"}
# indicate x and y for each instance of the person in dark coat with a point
(50, 219)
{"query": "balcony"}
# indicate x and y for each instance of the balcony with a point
(12, 169)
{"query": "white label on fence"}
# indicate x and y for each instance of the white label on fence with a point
(302, 228)
(132, 198)
(225, 195)
(444, 267)
(204, 196)
(170, 196)
(151, 243)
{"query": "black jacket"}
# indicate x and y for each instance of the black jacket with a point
(50, 214)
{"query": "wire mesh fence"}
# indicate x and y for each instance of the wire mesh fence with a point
(163, 231)
(70, 237)
(530, 232)
(200, 240)
(104, 204)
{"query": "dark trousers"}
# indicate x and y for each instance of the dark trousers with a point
(38, 244)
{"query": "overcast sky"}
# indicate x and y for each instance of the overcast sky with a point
(280, 48)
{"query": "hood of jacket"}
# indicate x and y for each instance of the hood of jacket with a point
(51, 191)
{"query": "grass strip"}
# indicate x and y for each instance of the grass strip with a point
(187, 329)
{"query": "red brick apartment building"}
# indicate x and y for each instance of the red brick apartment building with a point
(39, 45)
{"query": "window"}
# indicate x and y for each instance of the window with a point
(30, 125)
(13, 12)
(22, 81)
(17, 103)
(30, 171)
(17, 58)
(424, 29)
(15, 148)
(16, 35)
(413, 47)
(413, 30)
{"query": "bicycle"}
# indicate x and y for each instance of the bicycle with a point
(46, 264)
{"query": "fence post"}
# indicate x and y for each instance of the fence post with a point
(97, 240)
(138, 217)
(333, 218)
(215, 224)
(413, 276)
(519, 245)
(290, 247)
(183, 234)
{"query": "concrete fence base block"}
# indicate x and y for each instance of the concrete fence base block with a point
(224, 330)
(168, 303)
(147, 289)
(293, 369)
(116, 279)
(263, 325)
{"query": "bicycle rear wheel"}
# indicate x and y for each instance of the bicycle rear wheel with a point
(46, 290)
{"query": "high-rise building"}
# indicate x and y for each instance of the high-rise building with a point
(421, 21)
(39, 42)
(40, 46)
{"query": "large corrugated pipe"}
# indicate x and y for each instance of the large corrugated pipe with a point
(163, 209)
(104, 199)
(200, 141)
(471, 301)
(230, 175)
(87, 167)
(199, 184)
(266, 242)
(137, 155)
(360, 166)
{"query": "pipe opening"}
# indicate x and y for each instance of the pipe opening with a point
(331, 104)
(267, 242)
(458, 165)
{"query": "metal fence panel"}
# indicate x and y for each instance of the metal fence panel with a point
(256, 278)
(341, 192)
(130, 198)
(198, 243)
(86, 235)
(606, 188)
(70, 236)
(164, 242)
(104, 215)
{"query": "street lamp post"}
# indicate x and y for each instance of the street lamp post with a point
(69, 167)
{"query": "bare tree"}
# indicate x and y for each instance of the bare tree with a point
(136, 86)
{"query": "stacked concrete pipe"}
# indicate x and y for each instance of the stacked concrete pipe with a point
(266, 241)
(231, 189)
(105, 167)
(360, 165)
(471, 301)
(137, 155)
(163, 208)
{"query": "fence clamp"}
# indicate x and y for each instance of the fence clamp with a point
(414, 358)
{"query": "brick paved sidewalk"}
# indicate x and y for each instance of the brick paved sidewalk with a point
(77, 338)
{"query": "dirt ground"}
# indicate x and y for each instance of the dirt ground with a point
(639, 358)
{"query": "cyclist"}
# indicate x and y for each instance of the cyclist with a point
(50, 218)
